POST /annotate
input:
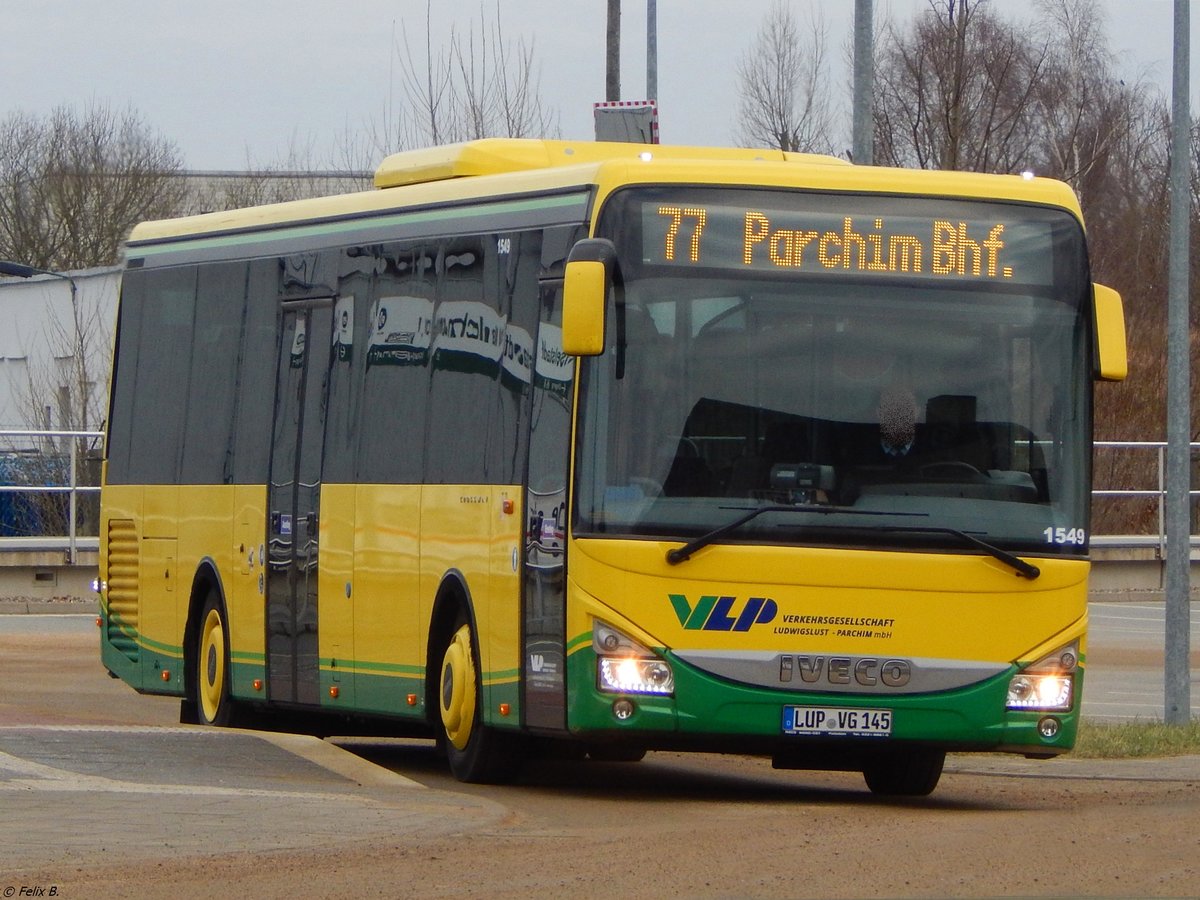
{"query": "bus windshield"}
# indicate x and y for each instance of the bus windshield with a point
(871, 371)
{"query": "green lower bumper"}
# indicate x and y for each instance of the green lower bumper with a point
(707, 707)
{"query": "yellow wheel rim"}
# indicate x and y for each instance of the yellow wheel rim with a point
(458, 689)
(212, 665)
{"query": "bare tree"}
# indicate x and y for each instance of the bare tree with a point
(782, 85)
(73, 183)
(480, 84)
(955, 91)
(298, 175)
(960, 88)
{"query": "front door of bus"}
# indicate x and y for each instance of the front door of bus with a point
(293, 501)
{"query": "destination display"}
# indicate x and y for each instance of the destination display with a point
(886, 240)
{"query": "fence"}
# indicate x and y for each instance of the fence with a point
(45, 465)
(1153, 493)
(42, 445)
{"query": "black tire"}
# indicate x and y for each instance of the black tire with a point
(213, 704)
(905, 773)
(477, 754)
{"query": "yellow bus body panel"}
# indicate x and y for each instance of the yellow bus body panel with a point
(933, 605)
(465, 530)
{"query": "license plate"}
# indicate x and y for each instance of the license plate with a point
(837, 721)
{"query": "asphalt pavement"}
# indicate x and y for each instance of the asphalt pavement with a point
(84, 794)
(1125, 673)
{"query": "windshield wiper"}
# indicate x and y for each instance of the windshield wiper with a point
(677, 555)
(1018, 565)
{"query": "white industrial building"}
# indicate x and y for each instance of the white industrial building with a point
(55, 347)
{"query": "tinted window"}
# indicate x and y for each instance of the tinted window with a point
(162, 368)
(399, 330)
(254, 388)
(467, 342)
(347, 365)
(124, 377)
(516, 288)
(208, 432)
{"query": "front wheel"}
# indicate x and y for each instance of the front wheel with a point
(476, 753)
(213, 703)
(905, 773)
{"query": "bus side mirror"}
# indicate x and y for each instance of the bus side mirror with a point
(1111, 362)
(589, 276)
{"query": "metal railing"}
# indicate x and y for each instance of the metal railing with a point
(1158, 493)
(37, 440)
(73, 489)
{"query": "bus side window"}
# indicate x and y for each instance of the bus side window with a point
(163, 360)
(208, 433)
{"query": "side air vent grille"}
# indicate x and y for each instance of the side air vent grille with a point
(123, 587)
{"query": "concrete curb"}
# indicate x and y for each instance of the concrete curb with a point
(333, 758)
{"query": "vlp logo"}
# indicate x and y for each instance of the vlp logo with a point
(723, 613)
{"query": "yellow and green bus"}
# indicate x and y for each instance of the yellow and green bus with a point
(544, 446)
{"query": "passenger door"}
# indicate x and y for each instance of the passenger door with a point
(546, 514)
(293, 501)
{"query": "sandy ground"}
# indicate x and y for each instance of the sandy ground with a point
(671, 826)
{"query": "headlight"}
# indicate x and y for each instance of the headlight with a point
(1048, 684)
(626, 667)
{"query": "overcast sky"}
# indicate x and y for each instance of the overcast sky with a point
(238, 81)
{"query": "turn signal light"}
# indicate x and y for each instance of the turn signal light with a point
(334, 691)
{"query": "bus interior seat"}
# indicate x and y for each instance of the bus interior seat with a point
(952, 431)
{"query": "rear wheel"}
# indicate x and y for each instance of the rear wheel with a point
(905, 773)
(476, 753)
(213, 703)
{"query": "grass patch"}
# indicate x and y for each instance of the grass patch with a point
(1097, 740)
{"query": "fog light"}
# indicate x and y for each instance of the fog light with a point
(1048, 728)
(623, 709)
